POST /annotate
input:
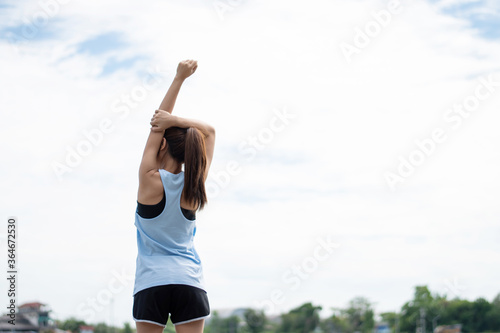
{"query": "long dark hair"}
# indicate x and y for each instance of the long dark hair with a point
(187, 145)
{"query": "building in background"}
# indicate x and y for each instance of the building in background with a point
(86, 329)
(30, 317)
(457, 328)
(382, 328)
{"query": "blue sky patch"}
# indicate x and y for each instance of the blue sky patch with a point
(6, 4)
(112, 65)
(29, 32)
(487, 24)
(102, 43)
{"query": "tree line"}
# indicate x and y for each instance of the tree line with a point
(424, 312)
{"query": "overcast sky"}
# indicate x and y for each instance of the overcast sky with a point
(356, 155)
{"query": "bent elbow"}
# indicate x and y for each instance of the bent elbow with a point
(211, 130)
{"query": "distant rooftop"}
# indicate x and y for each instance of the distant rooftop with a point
(31, 305)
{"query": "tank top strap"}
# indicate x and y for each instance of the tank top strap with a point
(173, 185)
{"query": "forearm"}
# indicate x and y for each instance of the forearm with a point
(204, 128)
(169, 100)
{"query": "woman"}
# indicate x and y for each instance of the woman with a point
(169, 276)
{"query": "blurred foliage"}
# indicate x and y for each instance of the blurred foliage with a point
(357, 317)
(474, 316)
(390, 318)
(103, 328)
(477, 316)
(127, 328)
(303, 319)
(223, 325)
(72, 324)
(255, 320)
(169, 328)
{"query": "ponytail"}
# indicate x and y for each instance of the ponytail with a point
(195, 159)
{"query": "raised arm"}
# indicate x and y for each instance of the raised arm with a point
(149, 181)
(163, 120)
(185, 69)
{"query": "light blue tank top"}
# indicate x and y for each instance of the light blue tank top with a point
(166, 253)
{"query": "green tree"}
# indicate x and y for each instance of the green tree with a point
(230, 324)
(215, 323)
(360, 315)
(422, 301)
(303, 319)
(476, 316)
(72, 324)
(127, 328)
(102, 328)
(337, 323)
(256, 320)
(480, 309)
(390, 318)
(493, 315)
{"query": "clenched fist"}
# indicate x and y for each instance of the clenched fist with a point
(186, 68)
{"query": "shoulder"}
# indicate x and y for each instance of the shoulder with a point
(150, 187)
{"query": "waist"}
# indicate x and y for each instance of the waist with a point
(157, 270)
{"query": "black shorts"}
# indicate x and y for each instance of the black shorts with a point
(184, 304)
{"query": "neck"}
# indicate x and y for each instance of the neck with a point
(170, 165)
